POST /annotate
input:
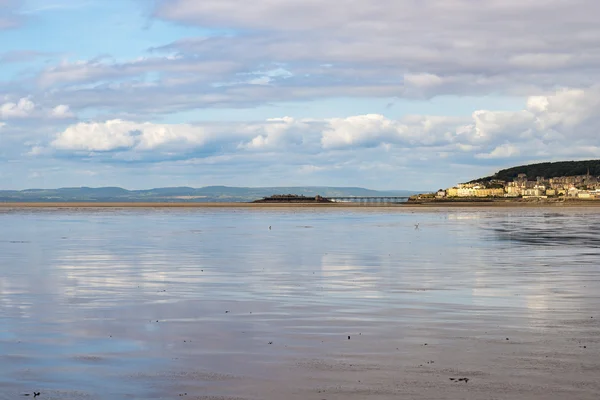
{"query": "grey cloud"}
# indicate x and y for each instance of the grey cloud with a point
(89, 72)
(427, 36)
(9, 19)
(147, 99)
(20, 56)
(389, 48)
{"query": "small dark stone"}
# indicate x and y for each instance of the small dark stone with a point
(452, 379)
(270, 342)
(506, 338)
(348, 337)
(226, 312)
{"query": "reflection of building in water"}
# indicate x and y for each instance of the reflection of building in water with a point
(464, 215)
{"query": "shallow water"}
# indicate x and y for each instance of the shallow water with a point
(327, 304)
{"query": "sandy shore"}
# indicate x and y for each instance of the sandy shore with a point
(171, 205)
(342, 304)
(437, 205)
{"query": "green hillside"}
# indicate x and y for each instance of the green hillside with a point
(546, 170)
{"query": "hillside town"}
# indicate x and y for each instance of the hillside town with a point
(580, 186)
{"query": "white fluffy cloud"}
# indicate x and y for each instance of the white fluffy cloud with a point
(118, 134)
(373, 130)
(25, 108)
(20, 109)
(61, 111)
(546, 124)
(417, 151)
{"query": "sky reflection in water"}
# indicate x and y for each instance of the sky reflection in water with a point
(90, 301)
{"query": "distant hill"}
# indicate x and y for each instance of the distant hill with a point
(184, 194)
(546, 170)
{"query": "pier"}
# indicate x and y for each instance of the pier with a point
(375, 200)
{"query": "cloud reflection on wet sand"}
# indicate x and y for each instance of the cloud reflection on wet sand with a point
(153, 304)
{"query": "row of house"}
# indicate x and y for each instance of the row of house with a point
(476, 191)
(582, 186)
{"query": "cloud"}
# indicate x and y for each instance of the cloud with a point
(502, 151)
(25, 108)
(363, 131)
(427, 42)
(21, 109)
(373, 150)
(117, 134)
(20, 56)
(61, 111)
(59, 6)
(400, 49)
(279, 134)
(173, 140)
(9, 18)
(562, 124)
(94, 71)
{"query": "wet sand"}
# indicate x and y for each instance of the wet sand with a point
(327, 304)
(453, 204)
(174, 205)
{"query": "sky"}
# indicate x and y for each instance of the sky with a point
(386, 94)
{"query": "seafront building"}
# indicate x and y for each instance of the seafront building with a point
(580, 186)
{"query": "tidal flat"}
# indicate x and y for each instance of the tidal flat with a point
(300, 303)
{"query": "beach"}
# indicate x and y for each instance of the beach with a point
(274, 302)
(426, 204)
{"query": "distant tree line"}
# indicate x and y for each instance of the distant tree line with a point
(546, 170)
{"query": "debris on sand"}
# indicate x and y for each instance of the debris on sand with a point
(465, 380)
